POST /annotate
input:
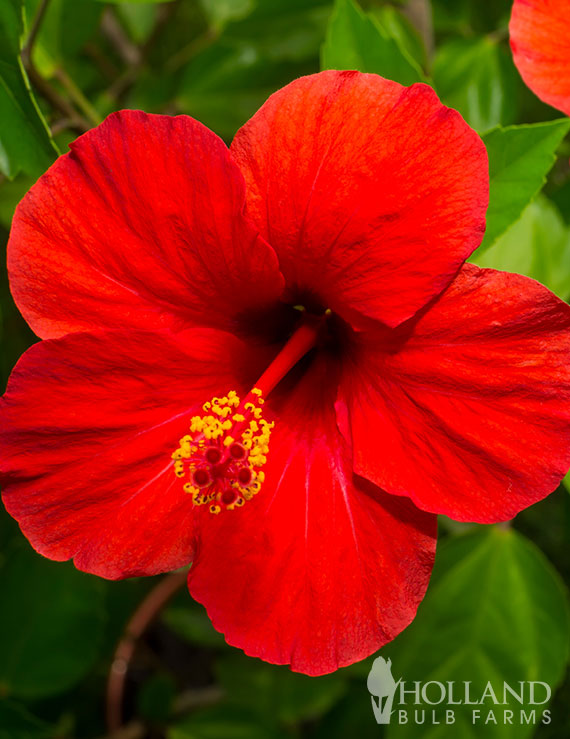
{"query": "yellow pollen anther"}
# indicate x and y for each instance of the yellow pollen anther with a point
(222, 455)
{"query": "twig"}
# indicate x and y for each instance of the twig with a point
(26, 52)
(183, 703)
(76, 122)
(419, 12)
(197, 698)
(113, 30)
(105, 66)
(60, 125)
(184, 55)
(132, 730)
(78, 97)
(138, 624)
(500, 34)
(122, 84)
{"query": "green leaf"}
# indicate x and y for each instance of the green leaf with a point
(25, 141)
(451, 17)
(155, 699)
(139, 20)
(520, 157)
(66, 26)
(229, 722)
(276, 692)
(496, 611)
(400, 28)
(135, 2)
(351, 716)
(191, 623)
(477, 77)
(538, 246)
(283, 30)
(221, 12)
(17, 723)
(260, 701)
(227, 77)
(51, 624)
(355, 40)
(12, 192)
(468, 16)
(225, 84)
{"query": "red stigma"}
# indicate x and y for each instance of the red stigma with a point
(201, 478)
(213, 455)
(224, 452)
(229, 497)
(237, 451)
(244, 475)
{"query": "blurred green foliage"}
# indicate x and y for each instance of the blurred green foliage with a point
(58, 606)
(356, 40)
(496, 608)
(520, 157)
(25, 141)
(537, 245)
(497, 611)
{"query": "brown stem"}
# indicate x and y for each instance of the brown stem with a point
(132, 730)
(185, 702)
(61, 124)
(113, 30)
(77, 96)
(194, 47)
(419, 12)
(40, 84)
(26, 52)
(119, 89)
(50, 93)
(102, 62)
(141, 619)
(197, 698)
(500, 34)
(76, 122)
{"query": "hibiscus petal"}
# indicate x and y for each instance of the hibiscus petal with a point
(141, 225)
(319, 570)
(541, 51)
(467, 408)
(87, 428)
(372, 194)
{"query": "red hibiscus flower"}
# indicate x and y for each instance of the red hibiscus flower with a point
(273, 362)
(540, 41)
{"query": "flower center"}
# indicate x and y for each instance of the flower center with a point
(222, 458)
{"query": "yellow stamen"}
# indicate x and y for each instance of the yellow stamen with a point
(209, 456)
